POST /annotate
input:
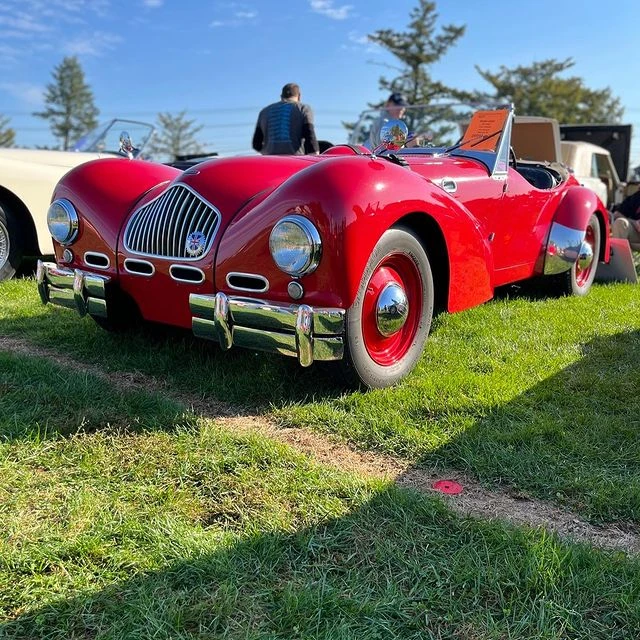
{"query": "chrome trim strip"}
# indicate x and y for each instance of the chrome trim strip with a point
(129, 261)
(301, 331)
(254, 276)
(563, 248)
(96, 255)
(198, 272)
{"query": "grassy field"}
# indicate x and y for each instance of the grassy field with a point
(127, 514)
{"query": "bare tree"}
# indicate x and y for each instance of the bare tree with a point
(176, 136)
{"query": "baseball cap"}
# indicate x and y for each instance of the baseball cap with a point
(397, 98)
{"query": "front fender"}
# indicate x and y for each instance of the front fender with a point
(353, 201)
(103, 193)
(567, 231)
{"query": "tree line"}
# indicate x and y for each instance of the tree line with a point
(539, 89)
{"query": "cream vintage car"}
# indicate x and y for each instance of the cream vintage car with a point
(27, 179)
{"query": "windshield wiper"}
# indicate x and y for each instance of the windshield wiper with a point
(477, 140)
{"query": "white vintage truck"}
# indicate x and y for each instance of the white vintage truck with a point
(599, 156)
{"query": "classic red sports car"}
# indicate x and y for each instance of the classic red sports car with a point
(341, 256)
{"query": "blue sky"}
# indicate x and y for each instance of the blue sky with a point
(224, 60)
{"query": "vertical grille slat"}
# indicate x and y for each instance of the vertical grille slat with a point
(161, 227)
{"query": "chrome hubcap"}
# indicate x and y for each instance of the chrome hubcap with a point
(4, 244)
(392, 309)
(585, 256)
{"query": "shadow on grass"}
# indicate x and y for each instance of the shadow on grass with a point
(573, 438)
(398, 566)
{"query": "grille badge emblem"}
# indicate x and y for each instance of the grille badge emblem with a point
(195, 244)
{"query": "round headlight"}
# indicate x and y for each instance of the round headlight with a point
(62, 220)
(295, 245)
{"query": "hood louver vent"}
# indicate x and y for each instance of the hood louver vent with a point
(179, 224)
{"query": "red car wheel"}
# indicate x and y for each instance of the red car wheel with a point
(390, 318)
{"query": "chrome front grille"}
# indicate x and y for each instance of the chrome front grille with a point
(161, 227)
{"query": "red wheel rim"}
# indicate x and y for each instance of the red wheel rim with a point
(400, 269)
(582, 275)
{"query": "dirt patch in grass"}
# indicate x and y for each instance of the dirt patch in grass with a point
(474, 500)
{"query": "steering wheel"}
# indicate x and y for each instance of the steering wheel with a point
(513, 161)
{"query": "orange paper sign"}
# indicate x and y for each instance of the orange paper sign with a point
(484, 130)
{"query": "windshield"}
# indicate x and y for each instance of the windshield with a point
(106, 137)
(434, 125)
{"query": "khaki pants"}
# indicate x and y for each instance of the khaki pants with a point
(623, 228)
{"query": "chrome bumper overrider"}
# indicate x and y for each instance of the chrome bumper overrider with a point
(72, 288)
(292, 330)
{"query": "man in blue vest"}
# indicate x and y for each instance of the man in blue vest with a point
(286, 127)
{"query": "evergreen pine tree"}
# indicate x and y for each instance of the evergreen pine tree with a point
(7, 134)
(176, 135)
(70, 108)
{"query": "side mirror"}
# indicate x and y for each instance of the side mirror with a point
(393, 135)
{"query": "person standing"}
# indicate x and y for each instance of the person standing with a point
(393, 109)
(286, 127)
(626, 220)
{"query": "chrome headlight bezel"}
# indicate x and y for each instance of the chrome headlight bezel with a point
(63, 228)
(300, 260)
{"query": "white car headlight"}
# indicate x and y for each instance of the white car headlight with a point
(295, 245)
(62, 220)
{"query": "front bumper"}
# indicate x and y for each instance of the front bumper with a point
(72, 288)
(300, 331)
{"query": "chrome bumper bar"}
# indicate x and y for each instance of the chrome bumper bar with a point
(72, 288)
(300, 331)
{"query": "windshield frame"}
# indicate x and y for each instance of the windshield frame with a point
(90, 142)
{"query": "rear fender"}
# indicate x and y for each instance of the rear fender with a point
(568, 229)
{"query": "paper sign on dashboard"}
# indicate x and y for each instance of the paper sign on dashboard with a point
(483, 132)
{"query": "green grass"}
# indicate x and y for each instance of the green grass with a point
(125, 515)
(178, 529)
(540, 395)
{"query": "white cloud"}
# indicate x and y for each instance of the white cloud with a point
(152, 4)
(42, 24)
(29, 94)
(326, 8)
(360, 42)
(23, 23)
(95, 44)
(236, 18)
(233, 14)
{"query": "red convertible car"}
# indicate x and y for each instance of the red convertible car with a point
(341, 256)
